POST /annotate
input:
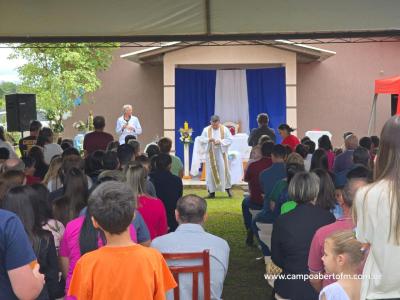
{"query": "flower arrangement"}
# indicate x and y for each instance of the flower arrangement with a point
(82, 126)
(79, 125)
(186, 134)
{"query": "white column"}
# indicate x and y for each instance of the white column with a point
(186, 174)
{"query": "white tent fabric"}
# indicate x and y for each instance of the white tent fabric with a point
(202, 18)
(231, 102)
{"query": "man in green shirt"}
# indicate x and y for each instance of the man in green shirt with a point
(165, 145)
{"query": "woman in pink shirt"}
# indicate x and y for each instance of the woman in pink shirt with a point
(152, 209)
(325, 143)
(79, 238)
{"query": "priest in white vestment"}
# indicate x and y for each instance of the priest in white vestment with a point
(217, 138)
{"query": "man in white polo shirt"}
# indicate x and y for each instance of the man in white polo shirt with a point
(127, 124)
(190, 236)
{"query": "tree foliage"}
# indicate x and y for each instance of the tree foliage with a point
(60, 73)
(6, 87)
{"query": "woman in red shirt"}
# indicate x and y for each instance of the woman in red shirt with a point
(151, 209)
(288, 139)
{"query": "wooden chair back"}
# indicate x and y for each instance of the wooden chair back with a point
(195, 270)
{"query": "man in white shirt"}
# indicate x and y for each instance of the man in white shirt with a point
(127, 124)
(217, 138)
(190, 236)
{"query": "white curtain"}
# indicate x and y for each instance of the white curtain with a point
(231, 102)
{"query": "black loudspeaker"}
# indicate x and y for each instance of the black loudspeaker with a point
(394, 104)
(21, 110)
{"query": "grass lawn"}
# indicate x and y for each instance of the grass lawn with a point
(245, 279)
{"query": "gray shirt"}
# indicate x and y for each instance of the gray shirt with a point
(193, 238)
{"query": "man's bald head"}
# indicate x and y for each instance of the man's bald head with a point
(191, 209)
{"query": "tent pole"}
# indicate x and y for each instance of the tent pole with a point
(372, 118)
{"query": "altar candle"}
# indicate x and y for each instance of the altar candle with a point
(186, 125)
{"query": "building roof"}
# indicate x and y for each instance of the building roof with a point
(154, 54)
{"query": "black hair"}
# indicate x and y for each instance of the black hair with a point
(143, 159)
(2, 137)
(152, 150)
(267, 148)
(36, 153)
(365, 142)
(99, 122)
(311, 146)
(292, 169)
(359, 171)
(125, 153)
(165, 145)
(110, 160)
(45, 137)
(89, 236)
(94, 162)
(325, 143)
(286, 127)
(319, 160)
(70, 151)
(305, 139)
(135, 145)
(19, 200)
(302, 150)
(375, 141)
(29, 161)
(75, 196)
(288, 150)
(112, 204)
(35, 126)
(326, 195)
(66, 143)
(163, 161)
(129, 137)
(4, 153)
(361, 156)
(191, 209)
(43, 206)
(279, 151)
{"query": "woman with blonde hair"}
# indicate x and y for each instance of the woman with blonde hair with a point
(343, 256)
(152, 209)
(52, 179)
(377, 208)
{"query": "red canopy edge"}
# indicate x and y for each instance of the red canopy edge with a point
(388, 85)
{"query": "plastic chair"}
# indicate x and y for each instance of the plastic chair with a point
(195, 270)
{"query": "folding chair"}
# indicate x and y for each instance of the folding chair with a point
(195, 270)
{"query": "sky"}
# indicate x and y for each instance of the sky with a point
(8, 67)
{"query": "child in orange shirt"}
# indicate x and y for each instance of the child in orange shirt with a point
(122, 269)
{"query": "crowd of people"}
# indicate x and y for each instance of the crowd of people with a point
(320, 213)
(93, 225)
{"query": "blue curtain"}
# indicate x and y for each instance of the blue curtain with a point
(194, 102)
(266, 90)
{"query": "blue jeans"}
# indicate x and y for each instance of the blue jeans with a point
(246, 206)
(262, 217)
